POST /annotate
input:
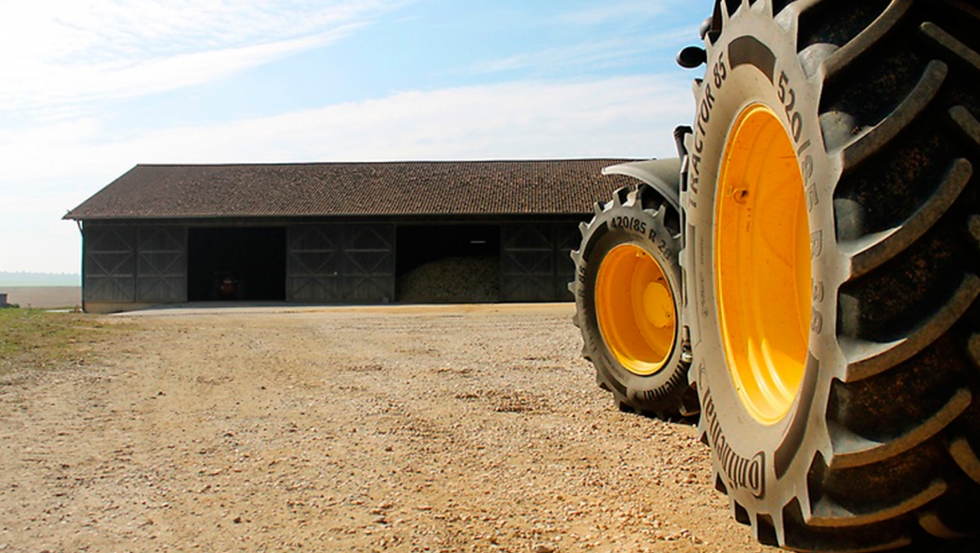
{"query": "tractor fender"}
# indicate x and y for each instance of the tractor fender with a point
(663, 175)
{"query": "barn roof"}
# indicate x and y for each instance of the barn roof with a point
(353, 189)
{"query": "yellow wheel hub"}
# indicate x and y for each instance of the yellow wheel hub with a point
(762, 264)
(635, 309)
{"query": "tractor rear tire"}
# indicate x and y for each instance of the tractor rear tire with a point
(831, 260)
(627, 298)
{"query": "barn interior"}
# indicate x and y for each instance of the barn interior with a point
(448, 263)
(236, 264)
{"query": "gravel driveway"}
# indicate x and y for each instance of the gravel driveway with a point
(453, 428)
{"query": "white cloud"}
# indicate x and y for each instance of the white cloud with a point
(625, 116)
(49, 169)
(58, 52)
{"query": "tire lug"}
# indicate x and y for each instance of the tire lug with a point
(705, 27)
(973, 347)
(974, 227)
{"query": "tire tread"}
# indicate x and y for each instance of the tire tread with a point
(877, 248)
(965, 457)
(966, 122)
(913, 351)
(829, 514)
(879, 136)
(953, 46)
(867, 39)
(852, 450)
(867, 358)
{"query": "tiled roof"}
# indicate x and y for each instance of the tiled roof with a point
(353, 189)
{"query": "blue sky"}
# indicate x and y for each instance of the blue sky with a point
(90, 88)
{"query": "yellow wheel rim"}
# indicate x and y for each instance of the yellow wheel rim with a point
(762, 264)
(635, 309)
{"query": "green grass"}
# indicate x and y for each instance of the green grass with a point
(37, 339)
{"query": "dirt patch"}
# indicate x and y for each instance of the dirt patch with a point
(471, 428)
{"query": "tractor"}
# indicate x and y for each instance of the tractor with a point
(804, 277)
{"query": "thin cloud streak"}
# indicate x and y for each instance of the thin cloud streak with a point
(618, 52)
(66, 87)
(634, 9)
(57, 54)
(614, 51)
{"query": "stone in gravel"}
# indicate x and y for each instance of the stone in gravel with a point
(544, 548)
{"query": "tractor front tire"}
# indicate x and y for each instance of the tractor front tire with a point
(831, 261)
(627, 304)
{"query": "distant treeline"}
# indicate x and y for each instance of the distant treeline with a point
(39, 279)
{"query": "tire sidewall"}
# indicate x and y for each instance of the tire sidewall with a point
(614, 226)
(755, 61)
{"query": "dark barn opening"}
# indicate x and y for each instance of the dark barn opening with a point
(236, 264)
(448, 263)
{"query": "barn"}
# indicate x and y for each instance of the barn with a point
(337, 233)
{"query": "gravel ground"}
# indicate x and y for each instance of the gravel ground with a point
(403, 428)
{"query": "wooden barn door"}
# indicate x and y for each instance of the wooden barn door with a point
(109, 264)
(161, 265)
(567, 238)
(313, 263)
(534, 261)
(369, 263)
(341, 263)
